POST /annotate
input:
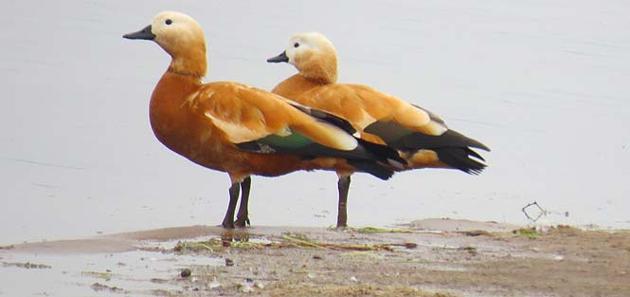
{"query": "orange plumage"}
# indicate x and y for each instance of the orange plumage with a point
(422, 138)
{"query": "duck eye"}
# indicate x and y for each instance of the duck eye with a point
(296, 44)
(168, 21)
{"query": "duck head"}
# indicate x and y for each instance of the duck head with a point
(312, 54)
(181, 37)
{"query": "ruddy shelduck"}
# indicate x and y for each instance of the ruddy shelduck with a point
(421, 137)
(241, 130)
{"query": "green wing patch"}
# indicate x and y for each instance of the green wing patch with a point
(293, 141)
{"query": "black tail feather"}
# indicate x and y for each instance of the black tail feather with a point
(476, 155)
(452, 148)
(460, 158)
(450, 138)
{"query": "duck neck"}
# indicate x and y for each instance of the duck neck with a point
(191, 62)
(320, 69)
(320, 73)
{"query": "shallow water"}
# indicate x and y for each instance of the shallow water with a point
(544, 86)
(138, 272)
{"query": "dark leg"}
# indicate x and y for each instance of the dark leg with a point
(342, 213)
(228, 221)
(242, 218)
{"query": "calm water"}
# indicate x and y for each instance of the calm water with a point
(543, 85)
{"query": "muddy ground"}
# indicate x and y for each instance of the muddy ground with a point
(424, 258)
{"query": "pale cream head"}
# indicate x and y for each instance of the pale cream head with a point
(313, 55)
(176, 32)
(181, 37)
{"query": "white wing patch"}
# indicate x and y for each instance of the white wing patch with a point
(234, 132)
(341, 140)
(436, 128)
(420, 120)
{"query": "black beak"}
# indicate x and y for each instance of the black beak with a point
(279, 58)
(145, 34)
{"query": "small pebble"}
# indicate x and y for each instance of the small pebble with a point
(229, 262)
(411, 245)
(185, 272)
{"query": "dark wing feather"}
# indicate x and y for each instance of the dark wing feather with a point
(325, 117)
(364, 159)
(401, 137)
(452, 148)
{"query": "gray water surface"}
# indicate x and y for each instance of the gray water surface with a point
(543, 83)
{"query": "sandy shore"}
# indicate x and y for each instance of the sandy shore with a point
(436, 257)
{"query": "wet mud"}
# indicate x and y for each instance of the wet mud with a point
(437, 257)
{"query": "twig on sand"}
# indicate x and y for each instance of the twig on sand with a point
(542, 212)
(302, 241)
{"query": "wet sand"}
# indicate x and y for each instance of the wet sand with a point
(435, 257)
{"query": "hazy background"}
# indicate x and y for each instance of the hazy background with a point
(543, 83)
